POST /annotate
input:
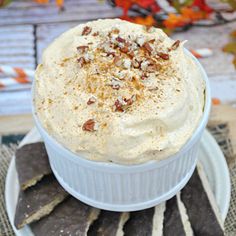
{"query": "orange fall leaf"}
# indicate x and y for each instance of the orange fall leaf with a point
(58, 2)
(187, 15)
(148, 21)
(216, 101)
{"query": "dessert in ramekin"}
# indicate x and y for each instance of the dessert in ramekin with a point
(121, 109)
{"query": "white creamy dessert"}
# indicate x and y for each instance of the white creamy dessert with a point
(110, 90)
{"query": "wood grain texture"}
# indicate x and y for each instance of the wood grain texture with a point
(17, 124)
(17, 46)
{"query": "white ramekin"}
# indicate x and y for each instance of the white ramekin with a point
(117, 187)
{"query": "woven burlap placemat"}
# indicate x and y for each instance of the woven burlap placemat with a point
(6, 153)
(220, 132)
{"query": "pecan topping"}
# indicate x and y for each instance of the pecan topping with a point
(175, 45)
(117, 61)
(124, 49)
(116, 86)
(118, 106)
(162, 55)
(151, 41)
(153, 67)
(81, 61)
(144, 76)
(136, 63)
(87, 30)
(147, 47)
(111, 54)
(131, 54)
(120, 40)
(130, 100)
(89, 125)
(115, 83)
(91, 100)
(122, 103)
(82, 49)
(95, 34)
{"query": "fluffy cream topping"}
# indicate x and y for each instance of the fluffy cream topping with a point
(110, 90)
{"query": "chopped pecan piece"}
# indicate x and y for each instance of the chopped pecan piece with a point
(91, 100)
(117, 61)
(82, 49)
(115, 83)
(111, 54)
(87, 30)
(147, 47)
(116, 86)
(162, 55)
(89, 125)
(81, 61)
(131, 54)
(175, 45)
(120, 40)
(144, 76)
(122, 103)
(151, 41)
(118, 106)
(95, 34)
(130, 100)
(136, 63)
(124, 49)
(153, 67)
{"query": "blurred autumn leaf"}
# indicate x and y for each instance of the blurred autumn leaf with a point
(187, 16)
(178, 5)
(58, 2)
(3, 3)
(233, 34)
(231, 47)
(232, 3)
